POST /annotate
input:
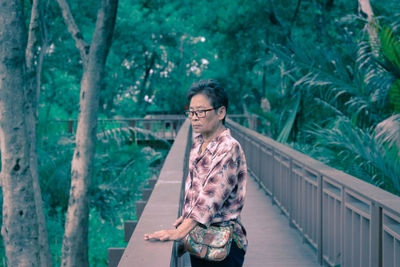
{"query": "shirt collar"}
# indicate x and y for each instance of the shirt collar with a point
(212, 146)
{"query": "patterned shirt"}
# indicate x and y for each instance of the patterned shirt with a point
(215, 188)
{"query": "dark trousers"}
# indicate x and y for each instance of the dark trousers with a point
(234, 259)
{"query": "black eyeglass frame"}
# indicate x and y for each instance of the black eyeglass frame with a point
(190, 113)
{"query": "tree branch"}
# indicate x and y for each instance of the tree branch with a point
(34, 53)
(34, 37)
(296, 12)
(73, 29)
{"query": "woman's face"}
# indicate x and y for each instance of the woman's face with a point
(212, 118)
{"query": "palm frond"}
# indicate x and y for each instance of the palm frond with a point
(328, 106)
(361, 153)
(390, 48)
(395, 96)
(383, 72)
(359, 87)
(285, 132)
(388, 132)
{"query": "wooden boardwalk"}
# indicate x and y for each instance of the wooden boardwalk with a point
(272, 242)
(351, 223)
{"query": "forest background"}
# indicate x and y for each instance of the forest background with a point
(322, 76)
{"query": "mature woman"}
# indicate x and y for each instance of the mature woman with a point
(216, 184)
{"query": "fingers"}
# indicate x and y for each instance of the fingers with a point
(159, 235)
(154, 235)
(163, 235)
(147, 236)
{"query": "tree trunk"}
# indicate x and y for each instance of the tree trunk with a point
(75, 241)
(365, 10)
(150, 61)
(20, 226)
(34, 57)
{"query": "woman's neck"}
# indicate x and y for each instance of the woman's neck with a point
(208, 137)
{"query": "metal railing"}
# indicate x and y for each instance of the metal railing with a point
(348, 221)
(158, 126)
(161, 210)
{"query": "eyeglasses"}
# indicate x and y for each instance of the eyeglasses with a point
(199, 113)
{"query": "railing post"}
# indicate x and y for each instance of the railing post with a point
(70, 126)
(140, 204)
(290, 198)
(273, 177)
(342, 226)
(146, 192)
(255, 122)
(129, 228)
(132, 123)
(320, 224)
(114, 256)
(376, 235)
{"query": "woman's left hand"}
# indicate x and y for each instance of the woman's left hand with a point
(174, 234)
(163, 235)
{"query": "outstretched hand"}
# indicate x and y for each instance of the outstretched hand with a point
(163, 235)
(183, 226)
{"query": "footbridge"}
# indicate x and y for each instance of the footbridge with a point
(298, 211)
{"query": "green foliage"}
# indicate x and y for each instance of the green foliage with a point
(394, 94)
(120, 176)
(284, 135)
(361, 153)
(390, 50)
(55, 228)
(390, 46)
(327, 91)
(99, 242)
(345, 95)
(121, 170)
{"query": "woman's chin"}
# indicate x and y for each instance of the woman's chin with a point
(196, 129)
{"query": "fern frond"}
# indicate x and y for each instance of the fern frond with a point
(122, 135)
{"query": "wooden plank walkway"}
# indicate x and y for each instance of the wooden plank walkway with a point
(272, 242)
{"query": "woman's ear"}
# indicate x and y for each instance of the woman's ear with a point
(221, 112)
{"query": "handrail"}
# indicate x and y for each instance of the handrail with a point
(164, 126)
(161, 210)
(348, 221)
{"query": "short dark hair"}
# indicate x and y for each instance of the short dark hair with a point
(212, 90)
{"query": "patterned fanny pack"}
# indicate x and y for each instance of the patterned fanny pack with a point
(212, 243)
